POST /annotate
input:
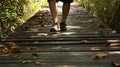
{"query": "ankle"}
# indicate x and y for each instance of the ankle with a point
(63, 22)
(56, 23)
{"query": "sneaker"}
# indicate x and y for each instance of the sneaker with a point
(55, 28)
(63, 27)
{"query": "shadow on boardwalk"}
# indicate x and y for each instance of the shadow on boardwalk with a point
(85, 38)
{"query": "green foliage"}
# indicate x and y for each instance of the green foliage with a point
(10, 13)
(14, 12)
(105, 9)
(32, 7)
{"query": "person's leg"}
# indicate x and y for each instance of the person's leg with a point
(54, 10)
(54, 13)
(65, 9)
(65, 12)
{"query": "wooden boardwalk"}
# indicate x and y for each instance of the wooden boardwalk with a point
(85, 38)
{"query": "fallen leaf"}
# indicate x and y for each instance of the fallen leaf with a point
(113, 41)
(114, 32)
(26, 61)
(91, 27)
(78, 17)
(2, 46)
(5, 51)
(31, 48)
(11, 44)
(84, 41)
(115, 44)
(15, 49)
(116, 64)
(34, 54)
(6, 55)
(37, 62)
(16, 56)
(91, 21)
(100, 56)
(95, 48)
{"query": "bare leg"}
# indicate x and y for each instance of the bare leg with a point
(65, 9)
(54, 10)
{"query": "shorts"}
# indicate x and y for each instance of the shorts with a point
(65, 1)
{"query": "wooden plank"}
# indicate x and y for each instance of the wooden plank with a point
(68, 59)
(57, 65)
(52, 35)
(71, 49)
(30, 39)
(60, 41)
(64, 55)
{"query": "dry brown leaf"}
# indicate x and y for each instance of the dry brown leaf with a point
(78, 17)
(40, 17)
(34, 54)
(26, 61)
(38, 63)
(5, 51)
(84, 41)
(91, 21)
(113, 41)
(16, 56)
(91, 27)
(31, 48)
(115, 44)
(15, 49)
(116, 64)
(2, 46)
(6, 55)
(95, 48)
(11, 44)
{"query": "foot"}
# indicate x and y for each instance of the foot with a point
(63, 27)
(55, 28)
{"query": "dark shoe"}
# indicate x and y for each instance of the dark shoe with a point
(55, 28)
(63, 27)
